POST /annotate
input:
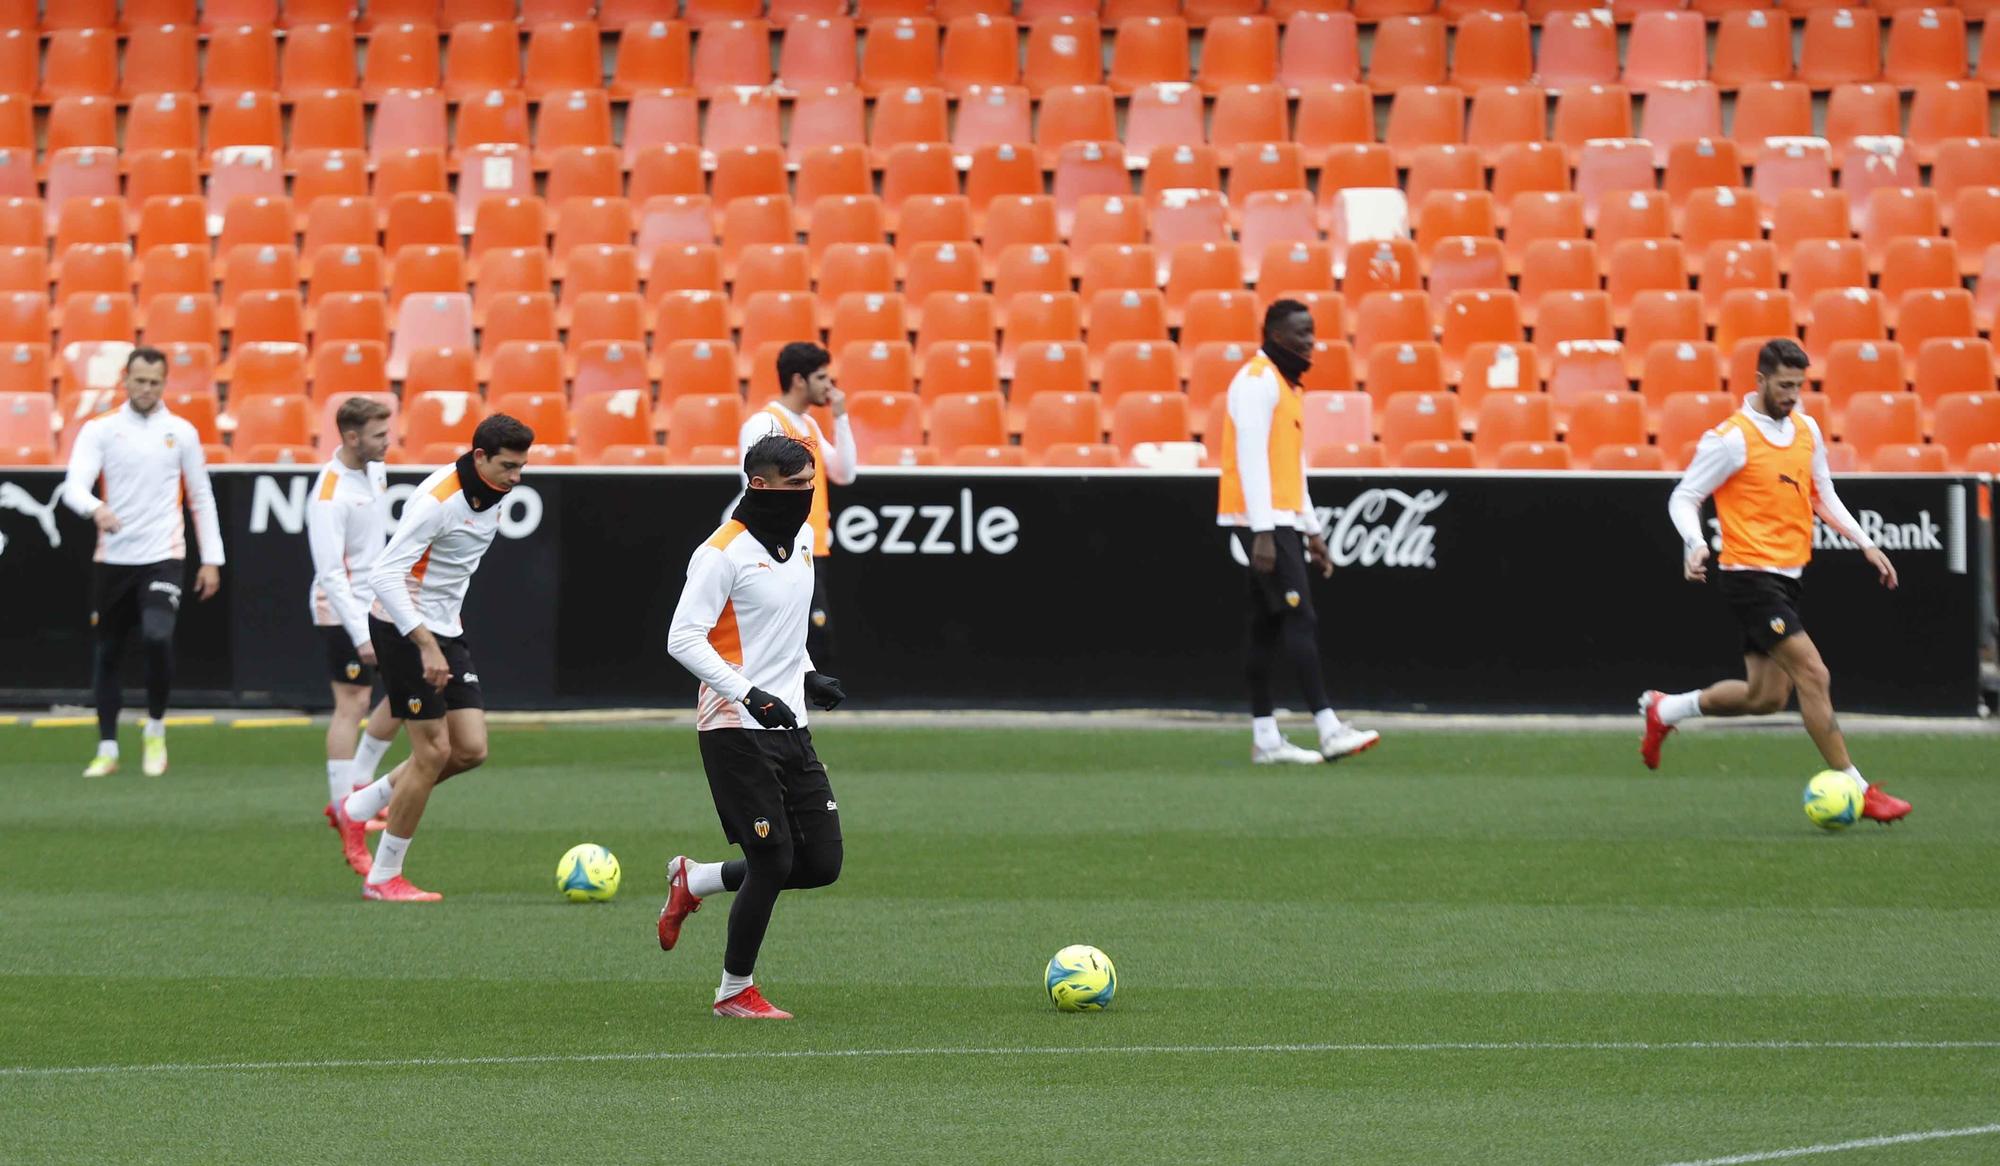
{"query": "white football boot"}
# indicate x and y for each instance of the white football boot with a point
(1284, 753)
(1348, 741)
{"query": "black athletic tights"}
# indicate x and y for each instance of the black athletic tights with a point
(1298, 631)
(757, 878)
(156, 631)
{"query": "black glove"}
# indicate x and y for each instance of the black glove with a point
(824, 691)
(769, 710)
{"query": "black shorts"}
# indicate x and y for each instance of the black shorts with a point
(121, 594)
(343, 663)
(402, 668)
(1288, 587)
(769, 786)
(1766, 606)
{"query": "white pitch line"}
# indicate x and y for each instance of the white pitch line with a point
(996, 1051)
(1838, 1147)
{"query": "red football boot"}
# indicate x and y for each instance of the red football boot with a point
(398, 890)
(1656, 729)
(353, 838)
(1882, 806)
(680, 903)
(751, 1005)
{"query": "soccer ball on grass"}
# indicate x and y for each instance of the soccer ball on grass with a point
(587, 874)
(1833, 800)
(1081, 979)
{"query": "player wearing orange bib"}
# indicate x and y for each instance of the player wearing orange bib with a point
(1767, 470)
(805, 380)
(1274, 531)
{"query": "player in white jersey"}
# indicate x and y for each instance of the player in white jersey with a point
(740, 628)
(149, 460)
(345, 531)
(805, 378)
(419, 583)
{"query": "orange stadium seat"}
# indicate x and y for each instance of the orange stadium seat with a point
(979, 51)
(696, 421)
(1577, 48)
(1062, 51)
(1877, 419)
(1409, 418)
(687, 367)
(1964, 422)
(1952, 364)
(1858, 366)
(611, 366)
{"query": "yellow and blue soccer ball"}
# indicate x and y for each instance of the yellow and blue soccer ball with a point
(1081, 979)
(587, 874)
(1833, 800)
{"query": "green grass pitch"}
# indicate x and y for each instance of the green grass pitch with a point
(1461, 948)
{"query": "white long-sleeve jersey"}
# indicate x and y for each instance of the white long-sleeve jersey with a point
(840, 456)
(741, 624)
(150, 462)
(1718, 456)
(422, 575)
(1253, 400)
(345, 525)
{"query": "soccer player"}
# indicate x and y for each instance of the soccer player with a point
(150, 460)
(1272, 526)
(805, 375)
(740, 628)
(344, 530)
(1766, 466)
(419, 582)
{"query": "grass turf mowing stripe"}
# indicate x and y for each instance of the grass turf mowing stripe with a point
(1839, 1147)
(1044, 1051)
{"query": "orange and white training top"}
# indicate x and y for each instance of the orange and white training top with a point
(345, 521)
(1769, 478)
(1263, 452)
(149, 462)
(834, 461)
(422, 575)
(741, 624)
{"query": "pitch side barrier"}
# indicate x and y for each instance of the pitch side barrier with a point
(1457, 591)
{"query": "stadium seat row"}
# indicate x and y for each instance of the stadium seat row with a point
(1838, 45)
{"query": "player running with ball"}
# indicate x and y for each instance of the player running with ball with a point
(1766, 466)
(741, 629)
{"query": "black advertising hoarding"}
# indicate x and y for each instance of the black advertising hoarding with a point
(1066, 590)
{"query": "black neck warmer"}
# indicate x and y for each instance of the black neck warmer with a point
(1290, 364)
(482, 495)
(774, 517)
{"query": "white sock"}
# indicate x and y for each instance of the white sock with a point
(731, 985)
(108, 749)
(367, 757)
(1854, 771)
(388, 859)
(1264, 732)
(155, 728)
(337, 785)
(1328, 722)
(369, 800)
(1681, 706)
(704, 879)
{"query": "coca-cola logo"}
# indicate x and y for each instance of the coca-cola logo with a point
(1383, 528)
(1379, 528)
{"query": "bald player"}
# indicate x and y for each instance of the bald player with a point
(1766, 468)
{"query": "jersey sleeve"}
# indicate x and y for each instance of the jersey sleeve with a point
(86, 462)
(326, 536)
(709, 579)
(423, 518)
(1252, 401)
(1717, 456)
(842, 456)
(1827, 503)
(201, 498)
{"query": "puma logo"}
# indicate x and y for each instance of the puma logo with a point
(1788, 480)
(13, 497)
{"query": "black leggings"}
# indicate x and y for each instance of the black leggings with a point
(1298, 631)
(757, 877)
(156, 632)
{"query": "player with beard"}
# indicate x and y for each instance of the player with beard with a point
(1766, 467)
